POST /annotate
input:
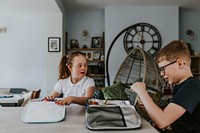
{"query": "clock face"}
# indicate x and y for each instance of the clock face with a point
(145, 36)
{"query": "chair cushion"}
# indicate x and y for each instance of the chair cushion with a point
(115, 91)
(98, 94)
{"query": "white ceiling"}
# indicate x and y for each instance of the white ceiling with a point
(99, 4)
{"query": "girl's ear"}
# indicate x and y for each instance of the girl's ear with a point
(69, 67)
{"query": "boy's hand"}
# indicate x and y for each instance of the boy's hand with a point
(138, 87)
(140, 104)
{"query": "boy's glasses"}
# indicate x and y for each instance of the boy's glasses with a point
(162, 69)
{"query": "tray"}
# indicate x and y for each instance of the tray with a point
(43, 112)
(114, 114)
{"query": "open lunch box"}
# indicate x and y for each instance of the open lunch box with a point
(111, 114)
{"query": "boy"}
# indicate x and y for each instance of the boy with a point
(183, 112)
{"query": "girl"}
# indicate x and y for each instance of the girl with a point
(73, 83)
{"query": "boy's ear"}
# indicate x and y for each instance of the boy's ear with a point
(181, 63)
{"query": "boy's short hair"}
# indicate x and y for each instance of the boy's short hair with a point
(176, 49)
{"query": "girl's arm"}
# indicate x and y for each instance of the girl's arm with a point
(77, 100)
(54, 94)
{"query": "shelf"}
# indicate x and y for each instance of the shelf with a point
(85, 49)
(95, 60)
(96, 75)
(196, 73)
(195, 65)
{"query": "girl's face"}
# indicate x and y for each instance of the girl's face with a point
(79, 67)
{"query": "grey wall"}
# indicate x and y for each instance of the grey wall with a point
(114, 19)
(77, 21)
(190, 20)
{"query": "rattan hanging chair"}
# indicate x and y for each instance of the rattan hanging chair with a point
(139, 66)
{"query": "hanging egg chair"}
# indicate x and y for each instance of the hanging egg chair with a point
(139, 66)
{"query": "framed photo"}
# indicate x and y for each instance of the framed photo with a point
(89, 55)
(54, 44)
(74, 43)
(96, 42)
(102, 57)
(96, 55)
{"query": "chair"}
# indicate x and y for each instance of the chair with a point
(27, 98)
(36, 94)
(140, 66)
(137, 66)
(30, 95)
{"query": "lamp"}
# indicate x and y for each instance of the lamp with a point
(3, 29)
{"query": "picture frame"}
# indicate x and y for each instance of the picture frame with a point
(102, 57)
(96, 42)
(96, 56)
(54, 44)
(74, 43)
(89, 55)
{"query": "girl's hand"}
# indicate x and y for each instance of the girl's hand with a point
(65, 101)
(49, 98)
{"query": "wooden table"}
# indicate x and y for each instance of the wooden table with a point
(74, 123)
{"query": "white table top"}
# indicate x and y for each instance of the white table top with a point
(15, 99)
(74, 123)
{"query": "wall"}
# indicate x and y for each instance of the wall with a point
(190, 20)
(77, 21)
(24, 57)
(62, 8)
(172, 23)
(114, 19)
(165, 19)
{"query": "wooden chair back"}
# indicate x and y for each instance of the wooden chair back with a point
(35, 94)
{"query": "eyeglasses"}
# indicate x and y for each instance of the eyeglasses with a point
(162, 69)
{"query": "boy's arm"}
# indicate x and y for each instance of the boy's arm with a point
(162, 118)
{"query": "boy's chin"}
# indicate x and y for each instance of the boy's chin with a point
(170, 83)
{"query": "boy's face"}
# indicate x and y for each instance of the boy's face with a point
(169, 71)
(79, 67)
